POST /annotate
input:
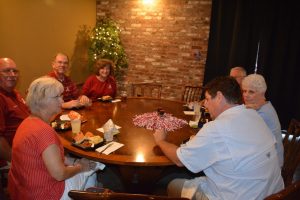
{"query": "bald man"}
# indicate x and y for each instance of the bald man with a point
(71, 96)
(12, 107)
(238, 73)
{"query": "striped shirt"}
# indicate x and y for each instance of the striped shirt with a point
(28, 176)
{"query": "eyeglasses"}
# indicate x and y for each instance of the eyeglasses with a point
(62, 62)
(58, 96)
(8, 71)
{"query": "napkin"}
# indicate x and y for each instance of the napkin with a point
(64, 118)
(108, 126)
(113, 147)
(193, 124)
(189, 112)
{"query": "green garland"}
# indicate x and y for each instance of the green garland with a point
(105, 43)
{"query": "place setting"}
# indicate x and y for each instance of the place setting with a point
(108, 99)
(90, 141)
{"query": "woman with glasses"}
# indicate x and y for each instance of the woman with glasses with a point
(38, 169)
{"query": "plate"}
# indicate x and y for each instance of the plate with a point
(105, 100)
(66, 118)
(61, 125)
(86, 146)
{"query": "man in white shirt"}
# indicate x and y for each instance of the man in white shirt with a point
(236, 151)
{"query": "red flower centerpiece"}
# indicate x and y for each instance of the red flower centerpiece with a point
(158, 120)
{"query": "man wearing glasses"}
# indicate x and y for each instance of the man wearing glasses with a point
(12, 107)
(71, 96)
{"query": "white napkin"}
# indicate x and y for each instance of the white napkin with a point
(116, 100)
(189, 112)
(65, 117)
(113, 147)
(110, 125)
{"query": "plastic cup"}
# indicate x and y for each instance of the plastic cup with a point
(123, 95)
(197, 111)
(108, 136)
(76, 125)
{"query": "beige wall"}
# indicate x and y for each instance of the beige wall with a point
(32, 31)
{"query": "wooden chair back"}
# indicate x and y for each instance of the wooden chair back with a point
(84, 195)
(152, 90)
(291, 192)
(191, 93)
(291, 144)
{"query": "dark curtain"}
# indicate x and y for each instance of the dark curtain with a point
(237, 26)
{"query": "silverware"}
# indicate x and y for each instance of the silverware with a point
(109, 145)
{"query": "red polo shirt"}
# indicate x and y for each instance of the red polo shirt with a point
(70, 89)
(12, 112)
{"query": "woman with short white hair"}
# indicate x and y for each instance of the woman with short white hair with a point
(254, 88)
(37, 169)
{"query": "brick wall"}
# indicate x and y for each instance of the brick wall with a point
(162, 41)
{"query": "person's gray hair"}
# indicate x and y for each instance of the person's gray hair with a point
(39, 92)
(255, 82)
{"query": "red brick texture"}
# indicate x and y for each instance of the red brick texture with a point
(166, 43)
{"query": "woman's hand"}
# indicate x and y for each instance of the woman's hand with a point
(84, 100)
(86, 165)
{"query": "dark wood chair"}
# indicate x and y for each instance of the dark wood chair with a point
(84, 195)
(291, 144)
(191, 93)
(3, 193)
(152, 90)
(291, 192)
(3, 176)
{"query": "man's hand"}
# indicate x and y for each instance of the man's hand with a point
(159, 135)
(84, 100)
(71, 104)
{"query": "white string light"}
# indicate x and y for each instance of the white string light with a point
(148, 2)
(255, 70)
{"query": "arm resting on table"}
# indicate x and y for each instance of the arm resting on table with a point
(168, 148)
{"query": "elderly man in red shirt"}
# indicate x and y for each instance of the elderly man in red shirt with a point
(12, 107)
(71, 96)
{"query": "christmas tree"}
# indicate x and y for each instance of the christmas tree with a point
(105, 43)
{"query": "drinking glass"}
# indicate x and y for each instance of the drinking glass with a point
(123, 95)
(76, 125)
(108, 135)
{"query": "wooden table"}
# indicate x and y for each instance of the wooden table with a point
(139, 160)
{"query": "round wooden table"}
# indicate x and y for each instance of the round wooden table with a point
(139, 155)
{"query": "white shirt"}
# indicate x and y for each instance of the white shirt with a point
(236, 152)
